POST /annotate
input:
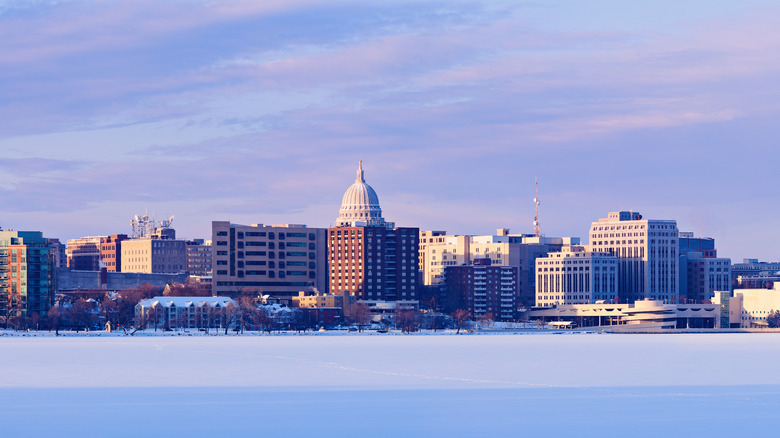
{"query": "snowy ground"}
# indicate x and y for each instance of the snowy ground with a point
(551, 385)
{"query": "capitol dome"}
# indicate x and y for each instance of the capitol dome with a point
(360, 204)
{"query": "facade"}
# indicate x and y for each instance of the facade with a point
(428, 238)
(183, 312)
(60, 259)
(277, 260)
(576, 276)
(374, 263)
(703, 276)
(83, 254)
(701, 271)
(484, 290)
(703, 245)
(647, 252)
(27, 265)
(153, 256)
(199, 257)
(111, 252)
(368, 256)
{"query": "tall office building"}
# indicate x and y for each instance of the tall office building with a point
(702, 273)
(647, 252)
(576, 276)
(368, 256)
(27, 266)
(278, 260)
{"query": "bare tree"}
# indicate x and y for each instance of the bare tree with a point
(406, 320)
(54, 319)
(461, 318)
(81, 314)
(148, 290)
(233, 315)
(359, 314)
(773, 319)
(187, 290)
(263, 320)
(248, 308)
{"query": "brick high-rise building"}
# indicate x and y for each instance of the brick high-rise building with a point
(111, 252)
(483, 290)
(369, 257)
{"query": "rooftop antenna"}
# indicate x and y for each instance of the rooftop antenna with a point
(537, 228)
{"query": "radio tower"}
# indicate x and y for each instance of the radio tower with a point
(537, 229)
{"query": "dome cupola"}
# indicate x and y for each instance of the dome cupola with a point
(360, 204)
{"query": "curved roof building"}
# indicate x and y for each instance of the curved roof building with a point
(360, 204)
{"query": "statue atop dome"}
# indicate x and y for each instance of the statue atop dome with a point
(360, 204)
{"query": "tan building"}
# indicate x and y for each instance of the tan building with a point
(428, 238)
(154, 256)
(322, 300)
(576, 276)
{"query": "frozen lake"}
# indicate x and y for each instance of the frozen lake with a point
(384, 385)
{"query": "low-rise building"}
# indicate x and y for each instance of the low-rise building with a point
(640, 315)
(184, 312)
(749, 308)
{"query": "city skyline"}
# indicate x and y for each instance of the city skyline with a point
(260, 112)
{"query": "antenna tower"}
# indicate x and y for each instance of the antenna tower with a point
(537, 228)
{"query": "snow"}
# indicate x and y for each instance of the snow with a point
(385, 385)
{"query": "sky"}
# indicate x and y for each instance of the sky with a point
(258, 112)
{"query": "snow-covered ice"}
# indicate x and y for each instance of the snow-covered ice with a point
(474, 385)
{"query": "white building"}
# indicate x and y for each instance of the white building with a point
(183, 312)
(641, 315)
(647, 252)
(748, 308)
(576, 276)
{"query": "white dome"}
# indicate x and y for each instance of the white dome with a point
(360, 203)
